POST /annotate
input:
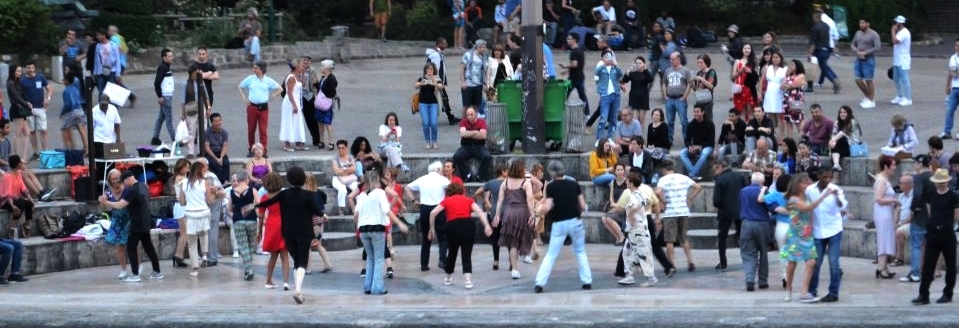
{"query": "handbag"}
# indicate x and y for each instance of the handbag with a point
(415, 103)
(736, 88)
(322, 102)
(859, 149)
(191, 109)
(703, 96)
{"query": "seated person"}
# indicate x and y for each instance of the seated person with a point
(605, 16)
(759, 127)
(640, 159)
(762, 159)
(602, 162)
(216, 145)
(806, 160)
(33, 184)
(937, 152)
(11, 251)
(732, 135)
(699, 142)
(902, 139)
(818, 130)
(627, 128)
(472, 146)
(15, 197)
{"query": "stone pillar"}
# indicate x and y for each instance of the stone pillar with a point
(340, 52)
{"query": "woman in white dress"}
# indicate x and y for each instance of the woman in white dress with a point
(772, 97)
(194, 194)
(882, 216)
(292, 128)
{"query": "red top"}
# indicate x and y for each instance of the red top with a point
(456, 179)
(12, 186)
(396, 205)
(480, 124)
(457, 207)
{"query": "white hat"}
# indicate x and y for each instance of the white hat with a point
(899, 19)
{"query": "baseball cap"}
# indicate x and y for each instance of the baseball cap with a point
(899, 19)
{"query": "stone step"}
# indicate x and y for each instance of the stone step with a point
(62, 208)
(707, 239)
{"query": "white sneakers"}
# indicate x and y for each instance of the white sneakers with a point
(901, 101)
(515, 274)
(629, 280)
(895, 101)
(866, 103)
(527, 259)
(122, 275)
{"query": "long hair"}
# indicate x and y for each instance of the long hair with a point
(795, 185)
(196, 173)
(845, 125)
(791, 149)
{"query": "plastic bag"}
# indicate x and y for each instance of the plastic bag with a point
(182, 132)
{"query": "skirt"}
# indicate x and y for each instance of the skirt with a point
(197, 221)
(119, 228)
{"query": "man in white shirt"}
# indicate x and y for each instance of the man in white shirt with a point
(605, 17)
(106, 125)
(677, 191)
(432, 190)
(952, 92)
(901, 61)
(827, 232)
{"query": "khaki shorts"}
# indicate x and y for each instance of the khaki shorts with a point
(380, 19)
(511, 25)
(674, 229)
(903, 230)
(38, 122)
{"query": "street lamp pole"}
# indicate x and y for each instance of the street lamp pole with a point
(532, 31)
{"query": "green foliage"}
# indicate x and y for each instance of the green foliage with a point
(212, 34)
(128, 7)
(145, 31)
(424, 22)
(880, 13)
(316, 17)
(29, 31)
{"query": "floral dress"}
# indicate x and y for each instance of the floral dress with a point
(800, 246)
(793, 101)
(637, 251)
(119, 222)
(745, 96)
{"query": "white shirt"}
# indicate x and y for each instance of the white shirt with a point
(195, 195)
(372, 208)
(954, 68)
(103, 124)
(900, 51)
(432, 188)
(675, 189)
(833, 31)
(827, 217)
(905, 212)
(609, 14)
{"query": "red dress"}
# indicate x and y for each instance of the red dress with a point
(272, 236)
(745, 97)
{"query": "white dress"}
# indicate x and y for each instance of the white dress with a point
(773, 97)
(882, 216)
(292, 127)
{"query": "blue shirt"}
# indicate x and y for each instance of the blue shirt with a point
(259, 90)
(776, 199)
(71, 98)
(108, 54)
(511, 5)
(548, 60)
(750, 209)
(35, 89)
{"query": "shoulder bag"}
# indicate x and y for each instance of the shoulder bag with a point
(415, 102)
(860, 149)
(322, 102)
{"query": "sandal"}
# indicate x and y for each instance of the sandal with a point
(897, 262)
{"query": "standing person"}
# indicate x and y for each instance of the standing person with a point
(271, 223)
(901, 61)
(428, 86)
(574, 70)
(256, 91)
(136, 199)
(754, 237)
(380, 10)
(564, 203)
(194, 195)
(327, 86)
(291, 121)
(72, 115)
(923, 188)
(245, 221)
(21, 110)
(942, 205)
(514, 215)
(371, 215)
(106, 65)
(38, 91)
(734, 51)
(181, 169)
(499, 20)
(726, 201)
(952, 92)
(655, 51)
(309, 78)
(163, 86)
(820, 47)
(793, 97)
(106, 129)
(640, 78)
(437, 57)
(474, 77)
(743, 74)
(193, 98)
(677, 83)
(827, 230)
(772, 99)
(705, 79)
(673, 190)
(431, 188)
(460, 230)
(73, 51)
(298, 210)
(865, 44)
(638, 246)
(882, 215)
(799, 244)
(489, 193)
(207, 73)
(607, 78)
(319, 197)
(216, 146)
(114, 34)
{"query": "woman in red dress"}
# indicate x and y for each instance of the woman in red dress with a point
(272, 238)
(743, 68)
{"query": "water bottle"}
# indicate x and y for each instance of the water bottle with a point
(15, 233)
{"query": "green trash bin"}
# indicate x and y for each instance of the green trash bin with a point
(554, 101)
(510, 94)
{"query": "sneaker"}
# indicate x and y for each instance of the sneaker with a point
(363, 273)
(515, 274)
(587, 286)
(17, 278)
(527, 259)
(895, 101)
(404, 168)
(286, 286)
(909, 278)
(650, 282)
(248, 276)
(156, 275)
(132, 278)
(468, 284)
(538, 289)
(627, 281)
(945, 136)
(863, 101)
(4, 283)
(47, 193)
(808, 298)
(829, 298)
(868, 104)
(236, 254)
(905, 102)
(35, 157)
(123, 274)
(389, 273)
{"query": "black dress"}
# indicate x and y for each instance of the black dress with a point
(639, 89)
(298, 208)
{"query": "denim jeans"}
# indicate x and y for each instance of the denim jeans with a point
(11, 251)
(580, 87)
(828, 247)
(676, 106)
(901, 78)
(603, 179)
(165, 114)
(572, 228)
(917, 235)
(693, 169)
(951, 104)
(103, 79)
(428, 117)
(826, 72)
(374, 243)
(608, 109)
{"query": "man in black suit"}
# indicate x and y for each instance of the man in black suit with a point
(726, 201)
(639, 158)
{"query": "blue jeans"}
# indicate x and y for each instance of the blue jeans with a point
(951, 104)
(603, 179)
(103, 79)
(828, 247)
(826, 72)
(572, 228)
(917, 235)
(901, 78)
(676, 106)
(375, 245)
(693, 169)
(428, 114)
(165, 114)
(580, 87)
(608, 109)
(864, 69)
(13, 249)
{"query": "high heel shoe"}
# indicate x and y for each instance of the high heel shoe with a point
(887, 275)
(178, 262)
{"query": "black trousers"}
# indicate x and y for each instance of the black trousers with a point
(724, 224)
(25, 206)
(446, 105)
(425, 242)
(465, 153)
(222, 171)
(461, 235)
(657, 244)
(941, 240)
(309, 117)
(133, 240)
(494, 239)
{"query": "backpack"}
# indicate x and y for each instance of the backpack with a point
(71, 223)
(49, 226)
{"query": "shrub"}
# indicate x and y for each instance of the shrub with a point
(128, 7)
(30, 30)
(424, 22)
(212, 34)
(146, 31)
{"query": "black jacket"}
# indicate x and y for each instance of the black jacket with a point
(726, 193)
(646, 168)
(737, 130)
(701, 133)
